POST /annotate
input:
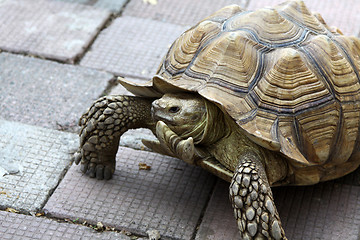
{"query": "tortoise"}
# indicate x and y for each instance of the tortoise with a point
(259, 98)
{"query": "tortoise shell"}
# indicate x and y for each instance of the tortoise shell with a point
(290, 83)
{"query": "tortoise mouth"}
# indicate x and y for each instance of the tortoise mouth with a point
(157, 115)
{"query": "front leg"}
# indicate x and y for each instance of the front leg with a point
(101, 128)
(252, 200)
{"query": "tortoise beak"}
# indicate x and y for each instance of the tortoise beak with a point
(158, 108)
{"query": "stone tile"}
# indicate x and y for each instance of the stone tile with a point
(18, 226)
(37, 158)
(342, 14)
(49, 29)
(218, 221)
(169, 198)
(323, 211)
(112, 5)
(186, 12)
(132, 47)
(46, 93)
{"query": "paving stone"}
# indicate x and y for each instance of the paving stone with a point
(112, 5)
(186, 12)
(46, 93)
(323, 211)
(169, 198)
(132, 47)
(41, 156)
(342, 14)
(49, 29)
(19, 226)
(218, 221)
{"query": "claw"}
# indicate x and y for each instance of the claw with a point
(100, 172)
(92, 170)
(77, 157)
(183, 149)
(108, 172)
(187, 148)
(84, 167)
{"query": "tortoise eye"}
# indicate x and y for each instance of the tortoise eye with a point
(174, 109)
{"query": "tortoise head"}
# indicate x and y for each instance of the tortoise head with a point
(182, 112)
(190, 115)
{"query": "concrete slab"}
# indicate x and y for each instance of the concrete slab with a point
(169, 198)
(218, 221)
(342, 14)
(186, 12)
(18, 226)
(38, 158)
(132, 47)
(112, 5)
(46, 93)
(324, 211)
(49, 29)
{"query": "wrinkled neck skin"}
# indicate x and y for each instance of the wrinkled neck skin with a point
(224, 140)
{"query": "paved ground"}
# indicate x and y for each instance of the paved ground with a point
(56, 57)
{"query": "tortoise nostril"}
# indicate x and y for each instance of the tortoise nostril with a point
(155, 104)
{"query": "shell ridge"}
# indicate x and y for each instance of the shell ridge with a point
(299, 40)
(319, 70)
(277, 94)
(302, 25)
(227, 21)
(260, 70)
(304, 12)
(339, 128)
(348, 58)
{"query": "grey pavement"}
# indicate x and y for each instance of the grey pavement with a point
(33, 160)
(51, 29)
(139, 51)
(56, 58)
(46, 93)
(169, 197)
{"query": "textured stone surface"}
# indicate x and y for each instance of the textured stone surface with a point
(169, 198)
(324, 211)
(111, 5)
(50, 29)
(18, 226)
(45, 93)
(132, 47)
(218, 221)
(186, 12)
(342, 14)
(41, 156)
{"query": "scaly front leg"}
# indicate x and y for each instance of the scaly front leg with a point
(101, 128)
(252, 200)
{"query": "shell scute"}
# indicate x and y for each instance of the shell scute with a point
(299, 13)
(334, 65)
(267, 27)
(289, 84)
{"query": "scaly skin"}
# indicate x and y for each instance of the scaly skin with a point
(252, 200)
(101, 128)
